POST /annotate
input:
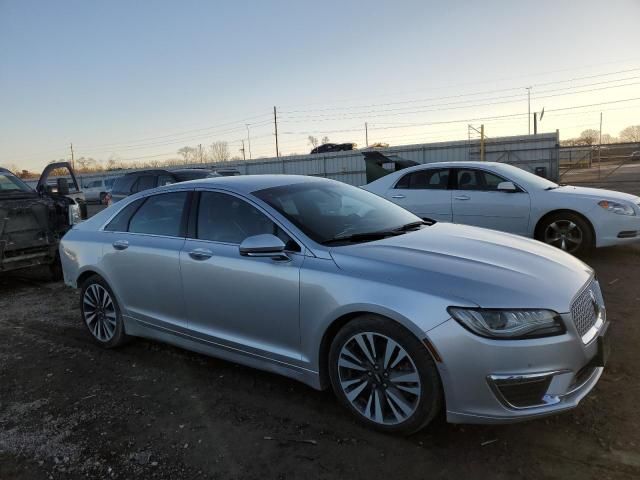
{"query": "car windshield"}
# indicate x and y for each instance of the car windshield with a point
(334, 212)
(9, 183)
(521, 176)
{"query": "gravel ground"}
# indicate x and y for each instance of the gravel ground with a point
(69, 409)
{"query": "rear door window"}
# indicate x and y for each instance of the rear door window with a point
(120, 223)
(432, 179)
(161, 214)
(145, 182)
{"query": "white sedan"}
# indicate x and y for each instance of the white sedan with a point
(503, 197)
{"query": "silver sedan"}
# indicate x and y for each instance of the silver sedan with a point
(336, 287)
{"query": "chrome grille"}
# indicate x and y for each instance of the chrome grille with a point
(583, 311)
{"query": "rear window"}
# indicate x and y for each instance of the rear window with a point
(145, 182)
(123, 184)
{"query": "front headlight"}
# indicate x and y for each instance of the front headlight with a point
(509, 324)
(616, 207)
(74, 214)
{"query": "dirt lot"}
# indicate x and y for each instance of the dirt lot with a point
(69, 409)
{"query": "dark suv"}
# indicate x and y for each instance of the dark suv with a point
(135, 182)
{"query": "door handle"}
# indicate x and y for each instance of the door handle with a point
(120, 244)
(201, 254)
(397, 196)
(462, 197)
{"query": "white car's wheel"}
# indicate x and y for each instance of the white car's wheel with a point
(567, 231)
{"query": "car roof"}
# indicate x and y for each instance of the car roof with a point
(251, 183)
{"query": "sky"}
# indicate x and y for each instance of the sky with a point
(139, 80)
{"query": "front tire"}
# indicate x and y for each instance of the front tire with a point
(384, 375)
(568, 231)
(101, 313)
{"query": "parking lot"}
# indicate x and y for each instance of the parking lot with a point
(69, 409)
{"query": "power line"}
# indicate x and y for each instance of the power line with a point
(394, 112)
(485, 92)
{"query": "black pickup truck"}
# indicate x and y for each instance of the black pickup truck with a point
(32, 222)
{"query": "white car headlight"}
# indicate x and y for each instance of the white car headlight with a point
(617, 207)
(509, 324)
(74, 214)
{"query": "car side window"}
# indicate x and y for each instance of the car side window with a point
(228, 219)
(120, 223)
(430, 179)
(471, 179)
(160, 215)
(165, 180)
(144, 182)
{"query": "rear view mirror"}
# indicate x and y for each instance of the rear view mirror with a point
(507, 187)
(63, 186)
(265, 245)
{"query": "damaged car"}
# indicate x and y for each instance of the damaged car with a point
(32, 222)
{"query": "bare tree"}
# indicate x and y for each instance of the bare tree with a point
(630, 134)
(188, 153)
(325, 139)
(219, 151)
(589, 136)
(313, 141)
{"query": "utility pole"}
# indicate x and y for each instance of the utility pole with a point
(366, 133)
(482, 142)
(73, 162)
(600, 142)
(529, 110)
(275, 124)
(200, 152)
(248, 139)
(242, 149)
(535, 123)
(600, 146)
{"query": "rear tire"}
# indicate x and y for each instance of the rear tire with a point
(568, 231)
(101, 313)
(384, 375)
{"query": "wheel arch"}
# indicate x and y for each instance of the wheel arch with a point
(337, 324)
(537, 232)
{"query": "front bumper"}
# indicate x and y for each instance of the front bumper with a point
(612, 229)
(478, 374)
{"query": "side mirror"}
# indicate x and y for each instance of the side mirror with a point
(265, 245)
(63, 186)
(508, 187)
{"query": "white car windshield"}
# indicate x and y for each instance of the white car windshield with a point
(525, 178)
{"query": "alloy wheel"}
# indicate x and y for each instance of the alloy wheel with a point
(99, 312)
(379, 378)
(564, 234)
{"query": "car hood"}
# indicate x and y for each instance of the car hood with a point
(481, 267)
(596, 193)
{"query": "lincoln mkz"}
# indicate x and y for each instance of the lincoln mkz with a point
(337, 287)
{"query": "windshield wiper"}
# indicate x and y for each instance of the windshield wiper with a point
(409, 226)
(364, 236)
